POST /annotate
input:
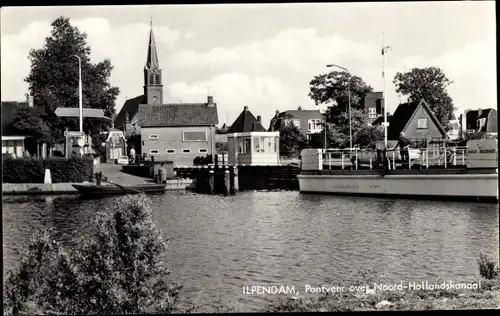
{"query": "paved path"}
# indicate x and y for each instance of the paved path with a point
(115, 174)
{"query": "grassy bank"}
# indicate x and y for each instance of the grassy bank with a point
(488, 297)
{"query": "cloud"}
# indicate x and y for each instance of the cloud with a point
(233, 91)
(189, 35)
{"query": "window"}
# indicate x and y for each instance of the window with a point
(244, 145)
(372, 113)
(153, 136)
(194, 136)
(202, 150)
(315, 125)
(154, 151)
(186, 151)
(170, 151)
(295, 122)
(422, 123)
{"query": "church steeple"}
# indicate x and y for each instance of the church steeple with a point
(153, 88)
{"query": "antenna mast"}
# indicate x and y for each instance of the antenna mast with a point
(384, 51)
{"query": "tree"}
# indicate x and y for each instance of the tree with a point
(291, 140)
(54, 75)
(338, 127)
(369, 133)
(331, 88)
(429, 84)
(117, 270)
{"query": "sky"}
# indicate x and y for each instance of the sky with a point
(264, 55)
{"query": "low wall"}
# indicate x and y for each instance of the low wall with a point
(178, 184)
(37, 188)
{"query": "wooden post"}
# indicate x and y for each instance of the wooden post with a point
(356, 153)
(330, 161)
(445, 157)
(427, 159)
(463, 157)
(370, 163)
(393, 160)
(235, 187)
(342, 158)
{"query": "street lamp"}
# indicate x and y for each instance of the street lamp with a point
(349, 97)
(80, 91)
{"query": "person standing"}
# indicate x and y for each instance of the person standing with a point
(403, 144)
(132, 154)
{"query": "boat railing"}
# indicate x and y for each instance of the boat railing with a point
(435, 156)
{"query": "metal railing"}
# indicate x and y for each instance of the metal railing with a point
(429, 157)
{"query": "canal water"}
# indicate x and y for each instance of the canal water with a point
(219, 244)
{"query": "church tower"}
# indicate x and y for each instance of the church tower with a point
(153, 88)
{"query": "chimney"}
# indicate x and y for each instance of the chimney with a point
(299, 108)
(30, 101)
(210, 100)
(258, 118)
(245, 108)
(479, 112)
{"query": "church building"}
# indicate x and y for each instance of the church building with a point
(178, 132)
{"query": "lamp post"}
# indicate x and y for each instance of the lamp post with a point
(349, 102)
(80, 91)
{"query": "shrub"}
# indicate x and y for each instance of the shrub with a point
(117, 270)
(487, 267)
(200, 160)
(32, 170)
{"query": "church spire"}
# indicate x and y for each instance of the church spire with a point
(152, 57)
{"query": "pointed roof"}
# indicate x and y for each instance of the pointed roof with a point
(403, 115)
(246, 122)
(152, 57)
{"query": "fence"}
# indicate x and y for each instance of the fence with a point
(435, 156)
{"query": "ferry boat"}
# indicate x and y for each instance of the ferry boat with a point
(474, 177)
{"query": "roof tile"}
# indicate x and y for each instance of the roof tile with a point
(177, 114)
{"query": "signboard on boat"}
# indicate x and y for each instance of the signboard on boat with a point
(482, 153)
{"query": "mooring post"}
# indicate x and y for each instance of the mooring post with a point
(227, 182)
(236, 185)
(211, 181)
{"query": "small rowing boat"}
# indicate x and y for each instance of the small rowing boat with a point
(114, 189)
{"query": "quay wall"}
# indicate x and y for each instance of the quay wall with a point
(67, 188)
(38, 188)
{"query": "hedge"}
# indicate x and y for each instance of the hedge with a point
(30, 170)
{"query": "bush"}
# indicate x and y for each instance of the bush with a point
(200, 160)
(118, 270)
(487, 267)
(32, 170)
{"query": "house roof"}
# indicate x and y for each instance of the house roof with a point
(298, 114)
(177, 114)
(131, 107)
(472, 116)
(404, 113)
(246, 122)
(379, 120)
(9, 109)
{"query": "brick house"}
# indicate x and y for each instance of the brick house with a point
(372, 103)
(168, 131)
(418, 123)
(308, 121)
(481, 121)
(178, 132)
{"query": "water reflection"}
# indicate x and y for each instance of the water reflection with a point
(220, 243)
